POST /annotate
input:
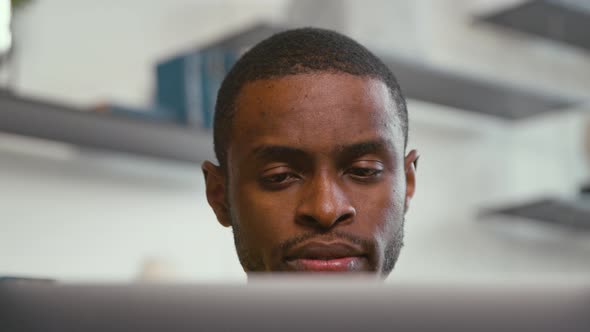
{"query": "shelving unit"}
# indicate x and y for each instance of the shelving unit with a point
(573, 214)
(474, 94)
(424, 82)
(567, 22)
(562, 21)
(37, 118)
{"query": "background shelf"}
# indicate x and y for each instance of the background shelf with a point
(36, 118)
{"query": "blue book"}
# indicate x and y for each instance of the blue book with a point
(188, 84)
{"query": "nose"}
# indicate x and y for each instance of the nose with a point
(324, 204)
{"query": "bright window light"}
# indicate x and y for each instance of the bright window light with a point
(5, 38)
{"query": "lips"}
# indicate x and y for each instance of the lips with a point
(327, 257)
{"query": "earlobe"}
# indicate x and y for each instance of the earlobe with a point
(411, 164)
(215, 191)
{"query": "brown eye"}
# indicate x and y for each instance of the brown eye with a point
(277, 178)
(362, 172)
(366, 170)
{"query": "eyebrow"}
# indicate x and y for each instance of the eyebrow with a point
(278, 152)
(348, 151)
(356, 150)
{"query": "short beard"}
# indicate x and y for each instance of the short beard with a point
(253, 263)
(249, 261)
(392, 250)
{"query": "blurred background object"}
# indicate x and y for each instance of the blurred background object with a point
(104, 120)
(566, 21)
(154, 269)
(8, 8)
(5, 37)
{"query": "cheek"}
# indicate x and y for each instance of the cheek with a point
(264, 217)
(382, 208)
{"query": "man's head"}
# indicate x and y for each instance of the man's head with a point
(310, 132)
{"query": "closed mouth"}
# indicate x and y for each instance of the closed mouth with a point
(327, 257)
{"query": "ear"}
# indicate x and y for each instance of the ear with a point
(411, 164)
(215, 190)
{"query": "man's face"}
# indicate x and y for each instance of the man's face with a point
(316, 178)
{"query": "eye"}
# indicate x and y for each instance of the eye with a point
(363, 172)
(278, 178)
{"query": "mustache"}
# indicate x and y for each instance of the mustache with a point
(287, 245)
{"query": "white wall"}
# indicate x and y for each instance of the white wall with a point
(77, 214)
(464, 170)
(85, 215)
(87, 52)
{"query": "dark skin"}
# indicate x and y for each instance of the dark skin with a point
(316, 176)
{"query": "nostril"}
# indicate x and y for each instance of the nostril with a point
(308, 220)
(344, 217)
(325, 206)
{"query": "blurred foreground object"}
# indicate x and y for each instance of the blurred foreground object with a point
(14, 280)
(295, 304)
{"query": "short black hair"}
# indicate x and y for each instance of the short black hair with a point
(298, 51)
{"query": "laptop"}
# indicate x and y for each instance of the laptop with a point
(292, 303)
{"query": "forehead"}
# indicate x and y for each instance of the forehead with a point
(314, 112)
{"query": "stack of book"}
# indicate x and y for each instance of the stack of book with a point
(187, 85)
